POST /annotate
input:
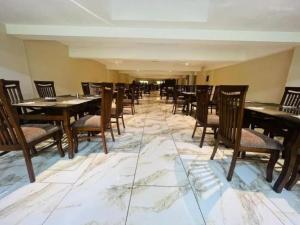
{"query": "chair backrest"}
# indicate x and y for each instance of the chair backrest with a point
(85, 88)
(45, 88)
(106, 102)
(95, 88)
(203, 97)
(131, 93)
(231, 106)
(13, 90)
(290, 101)
(119, 100)
(108, 85)
(11, 134)
(118, 85)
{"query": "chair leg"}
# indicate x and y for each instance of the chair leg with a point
(89, 135)
(295, 175)
(112, 133)
(104, 142)
(33, 150)
(26, 154)
(75, 137)
(123, 121)
(236, 153)
(59, 144)
(215, 149)
(195, 128)
(203, 136)
(271, 164)
(118, 125)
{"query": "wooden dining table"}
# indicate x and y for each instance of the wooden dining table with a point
(188, 95)
(281, 119)
(60, 109)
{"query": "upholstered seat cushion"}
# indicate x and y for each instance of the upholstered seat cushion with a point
(113, 111)
(212, 119)
(253, 139)
(127, 101)
(194, 104)
(89, 121)
(33, 132)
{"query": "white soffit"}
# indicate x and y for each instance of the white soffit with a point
(158, 10)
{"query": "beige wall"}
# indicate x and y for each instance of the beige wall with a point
(13, 62)
(265, 76)
(49, 60)
(293, 79)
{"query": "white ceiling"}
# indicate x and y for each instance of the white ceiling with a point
(156, 36)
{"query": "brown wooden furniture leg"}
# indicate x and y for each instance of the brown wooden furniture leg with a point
(289, 162)
(68, 131)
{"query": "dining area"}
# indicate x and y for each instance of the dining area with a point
(27, 123)
(157, 154)
(246, 126)
(149, 112)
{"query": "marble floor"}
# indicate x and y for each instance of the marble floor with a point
(154, 174)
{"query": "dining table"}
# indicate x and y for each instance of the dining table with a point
(188, 96)
(61, 109)
(280, 118)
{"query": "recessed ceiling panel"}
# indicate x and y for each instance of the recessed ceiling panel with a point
(158, 10)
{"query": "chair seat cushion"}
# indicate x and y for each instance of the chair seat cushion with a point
(33, 132)
(213, 119)
(113, 111)
(89, 121)
(127, 102)
(253, 139)
(194, 104)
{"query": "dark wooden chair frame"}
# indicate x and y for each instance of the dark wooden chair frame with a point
(106, 105)
(45, 88)
(85, 88)
(231, 106)
(203, 95)
(12, 137)
(119, 109)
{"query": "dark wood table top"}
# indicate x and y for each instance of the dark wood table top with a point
(272, 110)
(61, 102)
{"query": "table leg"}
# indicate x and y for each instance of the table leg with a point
(188, 105)
(289, 161)
(68, 131)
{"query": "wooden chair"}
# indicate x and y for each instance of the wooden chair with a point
(45, 88)
(96, 123)
(290, 101)
(129, 101)
(14, 137)
(85, 88)
(177, 101)
(117, 112)
(203, 119)
(232, 101)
